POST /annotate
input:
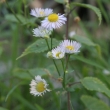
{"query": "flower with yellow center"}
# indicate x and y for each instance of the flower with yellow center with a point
(39, 12)
(42, 32)
(58, 53)
(53, 17)
(70, 46)
(53, 21)
(38, 86)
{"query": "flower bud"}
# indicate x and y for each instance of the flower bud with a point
(49, 55)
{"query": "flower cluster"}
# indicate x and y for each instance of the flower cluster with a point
(50, 21)
(66, 46)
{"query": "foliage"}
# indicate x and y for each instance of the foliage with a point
(23, 57)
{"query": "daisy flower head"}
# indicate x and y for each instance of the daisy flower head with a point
(38, 86)
(42, 32)
(39, 12)
(53, 21)
(70, 46)
(58, 53)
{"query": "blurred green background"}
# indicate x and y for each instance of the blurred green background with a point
(16, 35)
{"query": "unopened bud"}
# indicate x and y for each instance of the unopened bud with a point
(66, 71)
(49, 54)
(77, 19)
(46, 37)
(60, 79)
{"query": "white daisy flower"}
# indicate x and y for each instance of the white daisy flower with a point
(41, 32)
(38, 86)
(58, 53)
(39, 12)
(53, 21)
(70, 46)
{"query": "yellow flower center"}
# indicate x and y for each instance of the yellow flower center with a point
(53, 17)
(40, 87)
(70, 47)
(41, 12)
(58, 54)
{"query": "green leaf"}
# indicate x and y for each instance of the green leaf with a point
(37, 71)
(1, 50)
(95, 84)
(12, 18)
(85, 60)
(24, 101)
(24, 21)
(21, 73)
(38, 107)
(39, 46)
(1, 108)
(28, 74)
(12, 90)
(84, 40)
(60, 1)
(94, 104)
(95, 9)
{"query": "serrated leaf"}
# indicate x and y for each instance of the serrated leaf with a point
(1, 108)
(84, 40)
(95, 84)
(60, 1)
(39, 46)
(90, 62)
(95, 9)
(94, 104)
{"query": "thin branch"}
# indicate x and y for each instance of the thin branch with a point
(71, 11)
(68, 98)
(13, 12)
(71, 84)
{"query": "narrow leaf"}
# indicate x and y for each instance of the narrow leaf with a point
(24, 101)
(94, 104)
(95, 84)
(84, 40)
(12, 90)
(95, 9)
(88, 61)
(60, 1)
(1, 50)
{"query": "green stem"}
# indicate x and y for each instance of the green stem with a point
(63, 65)
(67, 62)
(68, 98)
(56, 67)
(13, 12)
(51, 42)
(47, 44)
(53, 59)
(64, 78)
